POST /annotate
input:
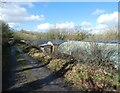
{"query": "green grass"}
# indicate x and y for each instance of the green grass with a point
(21, 60)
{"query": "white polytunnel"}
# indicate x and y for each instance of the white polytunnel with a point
(76, 48)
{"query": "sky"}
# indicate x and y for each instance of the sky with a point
(42, 16)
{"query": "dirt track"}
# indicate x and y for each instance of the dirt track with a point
(29, 75)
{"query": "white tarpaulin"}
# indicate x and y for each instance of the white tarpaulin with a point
(71, 46)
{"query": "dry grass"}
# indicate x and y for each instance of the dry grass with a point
(83, 75)
(87, 77)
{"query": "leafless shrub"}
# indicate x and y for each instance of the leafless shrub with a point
(95, 55)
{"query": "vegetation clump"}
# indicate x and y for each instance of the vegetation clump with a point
(6, 34)
(83, 75)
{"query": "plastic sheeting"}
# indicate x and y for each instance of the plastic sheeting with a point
(71, 46)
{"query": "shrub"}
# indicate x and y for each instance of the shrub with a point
(97, 55)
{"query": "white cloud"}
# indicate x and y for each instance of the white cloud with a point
(100, 26)
(67, 25)
(45, 26)
(99, 29)
(105, 21)
(34, 18)
(98, 11)
(14, 25)
(108, 19)
(13, 12)
(86, 24)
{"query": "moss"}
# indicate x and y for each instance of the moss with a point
(26, 72)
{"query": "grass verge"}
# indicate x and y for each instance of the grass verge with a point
(81, 75)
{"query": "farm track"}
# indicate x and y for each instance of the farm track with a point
(30, 75)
